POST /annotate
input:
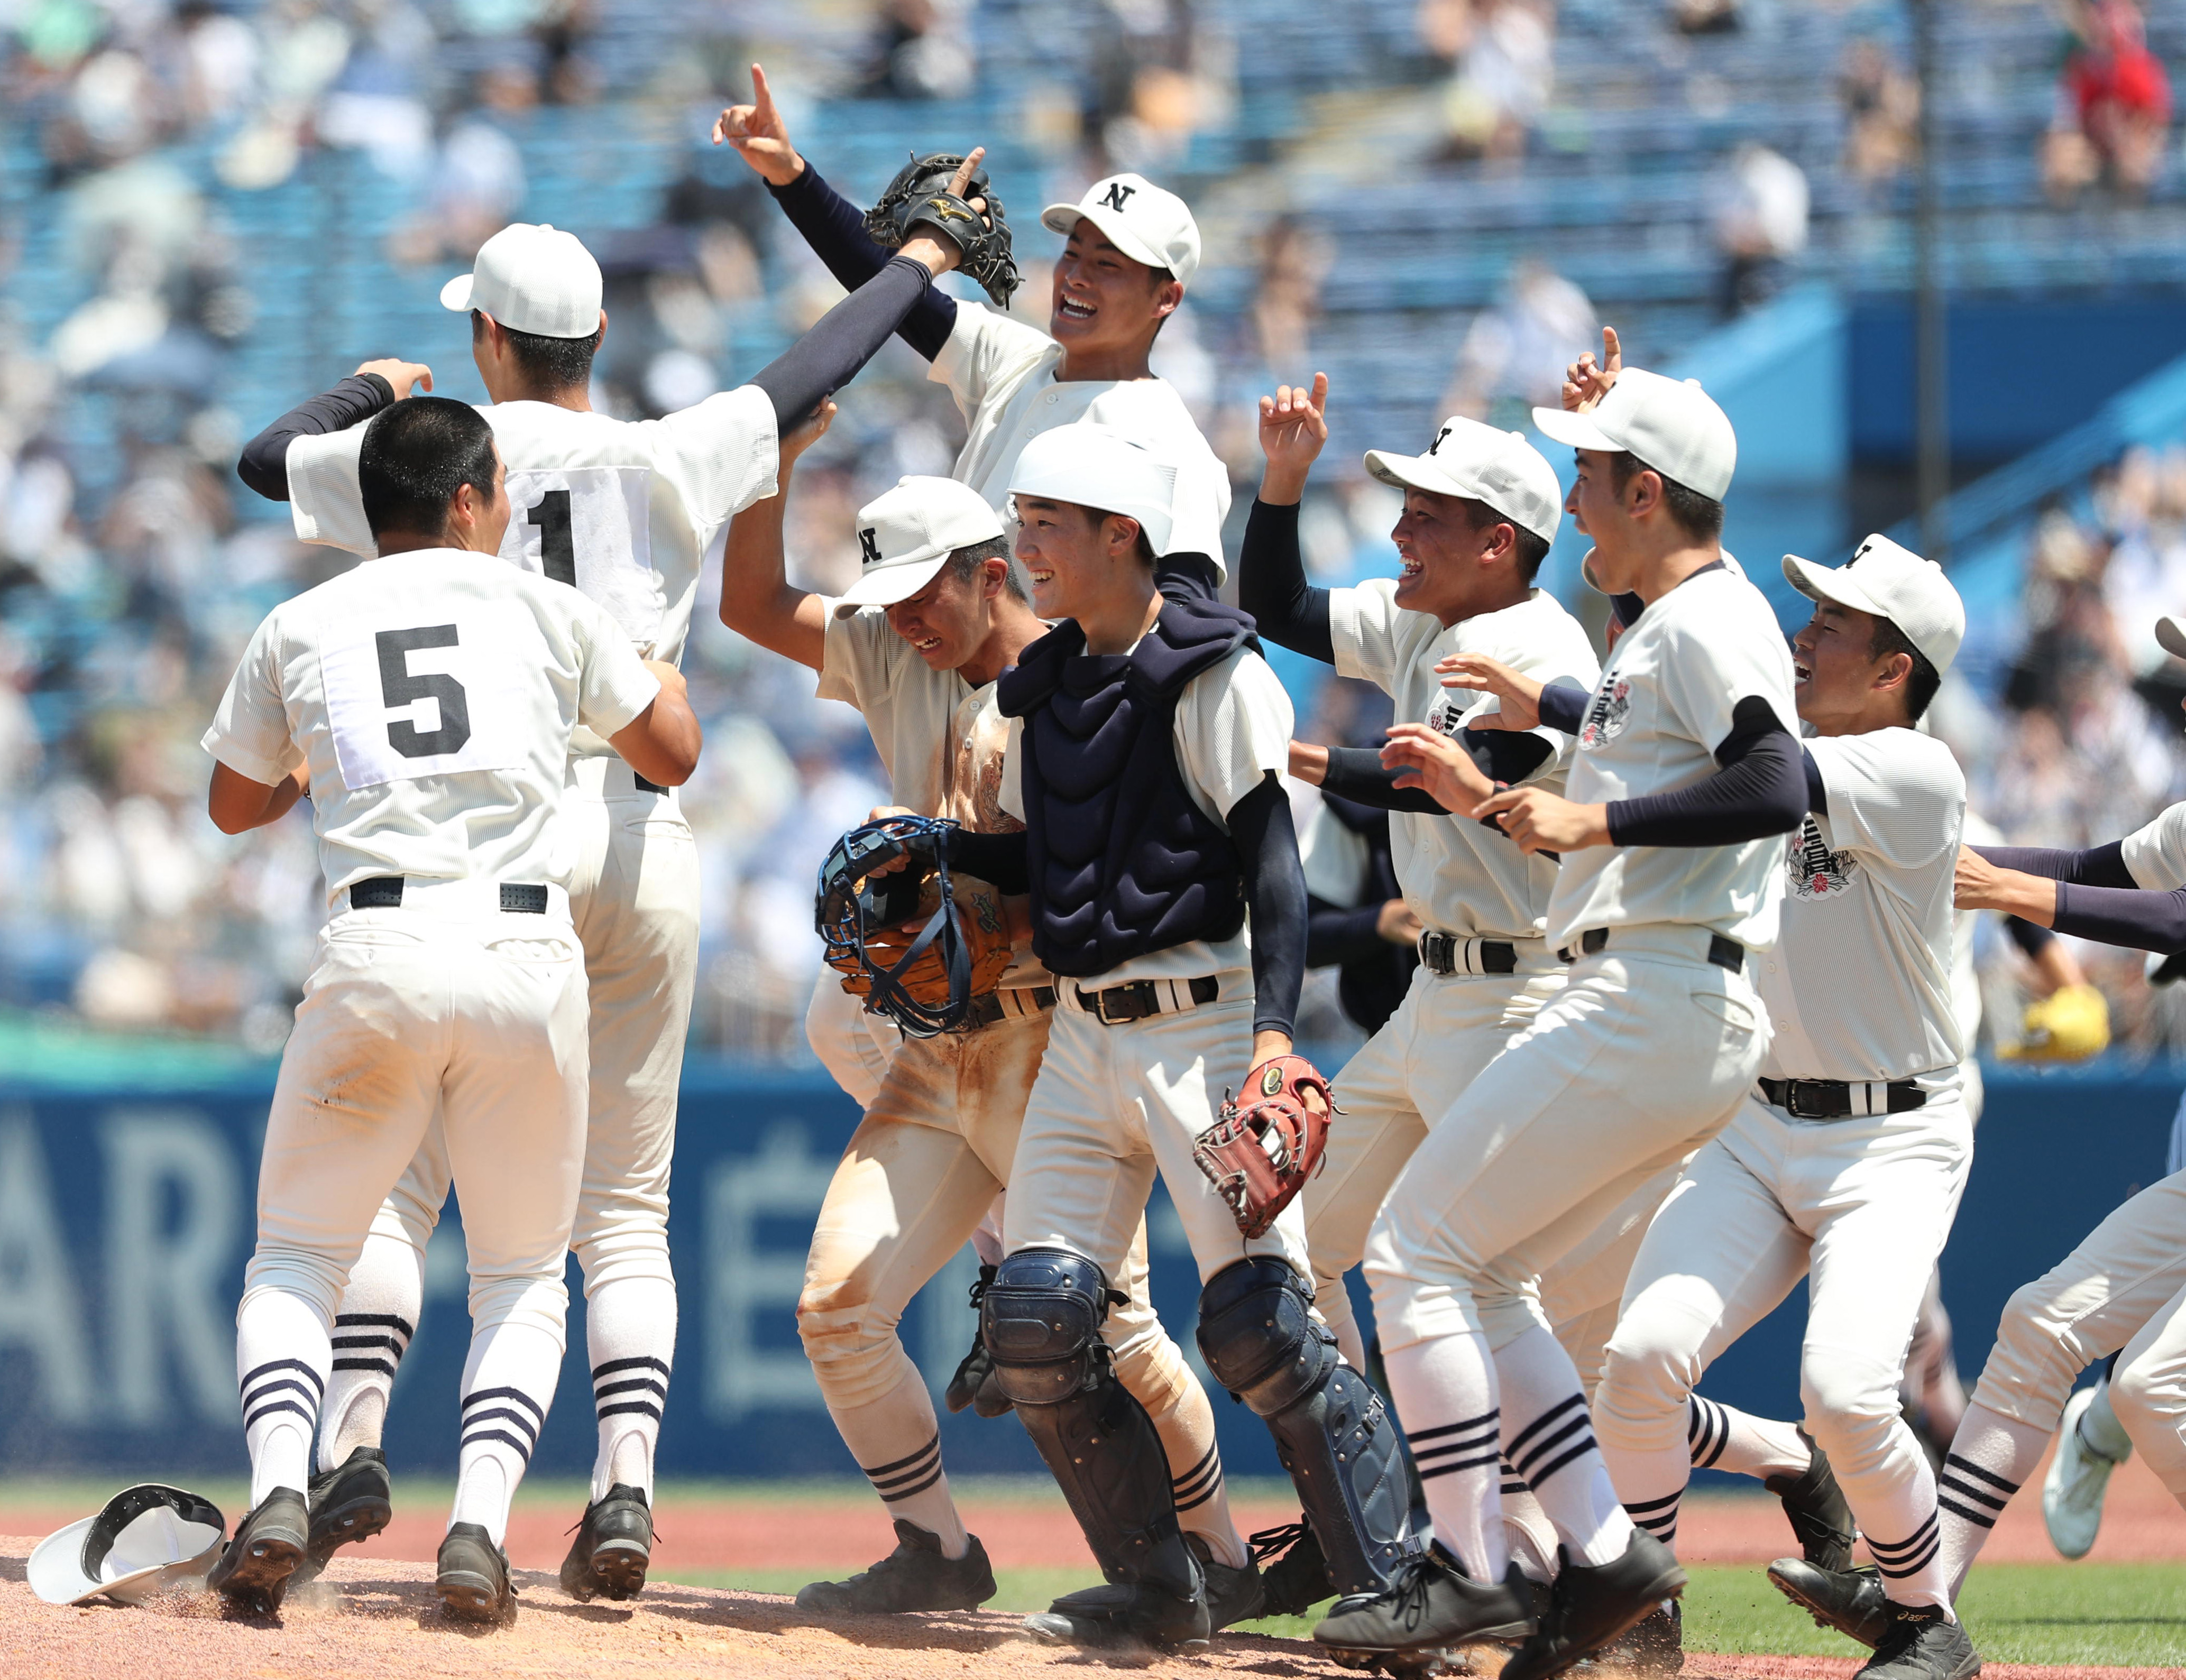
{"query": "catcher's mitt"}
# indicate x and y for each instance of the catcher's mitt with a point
(919, 943)
(2072, 1024)
(920, 193)
(1268, 1141)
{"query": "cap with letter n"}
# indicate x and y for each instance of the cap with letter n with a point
(1473, 460)
(532, 278)
(1148, 224)
(1096, 466)
(1671, 425)
(146, 1540)
(905, 536)
(1891, 582)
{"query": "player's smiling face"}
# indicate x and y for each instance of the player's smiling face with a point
(1067, 553)
(945, 622)
(1450, 568)
(1103, 301)
(1836, 677)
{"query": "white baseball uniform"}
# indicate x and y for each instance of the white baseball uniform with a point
(433, 697)
(624, 510)
(1859, 990)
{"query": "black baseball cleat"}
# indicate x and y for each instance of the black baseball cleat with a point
(1134, 1613)
(1590, 1604)
(1653, 1646)
(915, 1576)
(614, 1547)
(1233, 1595)
(973, 1384)
(254, 1571)
(1922, 1643)
(1821, 1521)
(1297, 1579)
(1850, 1601)
(1431, 1608)
(349, 1503)
(474, 1581)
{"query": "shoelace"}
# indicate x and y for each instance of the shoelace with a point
(1269, 1542)
(1408, 1598)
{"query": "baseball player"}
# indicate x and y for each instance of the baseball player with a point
(917, 645)
(1683, 777)
(425, 703)
(623, 511)
(1846, 1162)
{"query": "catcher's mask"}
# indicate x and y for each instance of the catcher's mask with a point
(853, 904)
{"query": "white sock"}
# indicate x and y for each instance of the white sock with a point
(1723, 1437)
(1527, 1529)
(2100, 1431)
(1549, 1439)
(373, 1328)
(630, 1341)
(508, 1386)
(897, 1441)
(282, 1352)
(1445, 1391)
(1990, 1456)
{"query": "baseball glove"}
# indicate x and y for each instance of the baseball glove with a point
(919, 943)
(2072, 1024)
(1268, 1141)
(920, 193)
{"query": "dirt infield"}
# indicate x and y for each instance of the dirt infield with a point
(375, 1619)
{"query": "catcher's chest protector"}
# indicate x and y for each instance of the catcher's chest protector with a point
(1123, 861)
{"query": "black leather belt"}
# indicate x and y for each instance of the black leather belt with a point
(1121, 1006)
(1722, 952)
(384, 892)
(986, 1010)
(1831, 1099)
(1438, 953)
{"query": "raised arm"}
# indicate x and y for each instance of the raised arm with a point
(1271, 582)
(758, 600)
(264, 466)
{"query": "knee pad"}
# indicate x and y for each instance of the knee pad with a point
(1041, 1320)
(1257, 1334)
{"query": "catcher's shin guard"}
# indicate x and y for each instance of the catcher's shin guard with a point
(1041, 1317)
(1333, 1432)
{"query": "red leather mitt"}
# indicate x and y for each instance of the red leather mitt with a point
(1268, 1140)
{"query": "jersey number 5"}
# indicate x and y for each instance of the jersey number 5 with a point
(399, 688)
(558, 548)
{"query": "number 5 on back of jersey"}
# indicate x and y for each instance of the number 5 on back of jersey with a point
(407, 699)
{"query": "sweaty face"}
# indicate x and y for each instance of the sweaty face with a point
(945, 622)
(1103, 300)
(1064, 552)
(1442, 554)
(1833, 668)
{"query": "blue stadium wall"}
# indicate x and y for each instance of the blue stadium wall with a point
(125, 1217)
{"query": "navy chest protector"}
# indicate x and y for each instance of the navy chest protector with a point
(1123, 861)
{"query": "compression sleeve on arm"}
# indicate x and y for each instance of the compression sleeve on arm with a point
(1818, 792)
(265, 463)
(1760, 789)
(2097, 866)
(2138, 919)
(1357, 774)
(841, 342)
(835, 228)
(1563, 706)
(1335, 936)
(1004, 860)
(1275, 893)
(1271, 584)
(2031, 938)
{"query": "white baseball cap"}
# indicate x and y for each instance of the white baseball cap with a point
(533, 279)
(146, 1540)
(1475, 460)
(1671, 425)
(1094, 467)
(1147, 223)
(907, 534)
(1892, 583)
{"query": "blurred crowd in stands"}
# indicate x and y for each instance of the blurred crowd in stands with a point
(131, 575)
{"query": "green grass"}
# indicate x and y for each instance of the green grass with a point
(2129, 1614)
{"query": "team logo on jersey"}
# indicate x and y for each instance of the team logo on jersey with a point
(1444, 714)
(1816, 872)
(869, 545)
(1117, 193)
(1607, 717)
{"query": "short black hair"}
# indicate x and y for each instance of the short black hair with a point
(1144, 550)
(964, 562)
(1699, 517)
(550, 364)
(1920, 687)
(416, 455)
(1532, 547)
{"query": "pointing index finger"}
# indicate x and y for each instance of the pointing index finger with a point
(1613, 353)
(762, 98)
(965, 169)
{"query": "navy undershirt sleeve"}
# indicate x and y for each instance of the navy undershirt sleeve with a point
(265, 463)
(1563, 706)
(835, 228)
(1817, 795)
(841, 342)
(2133, 917)
(1004, 860)
(1275, 894)
(1357, 774)
(1759, 790)
(1271, 584)
(2096, 867)
(2031, 936)
(1335, 936)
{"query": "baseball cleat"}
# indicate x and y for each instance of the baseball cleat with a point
(474, 1581)
(614, 1547)
(1415, 1626)
(253, 1571)
(1134, 1613)
(1850, 1601)
(349, 1503)
(915, 1576)
(1590, 1604)
(1297, 1579)
(1233, 1595)
(1922, 1643)
(1821, 1521)
(2079, 1476)
(1653, 1646)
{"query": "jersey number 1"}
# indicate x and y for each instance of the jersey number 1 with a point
(558, 548)
(399, 688)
